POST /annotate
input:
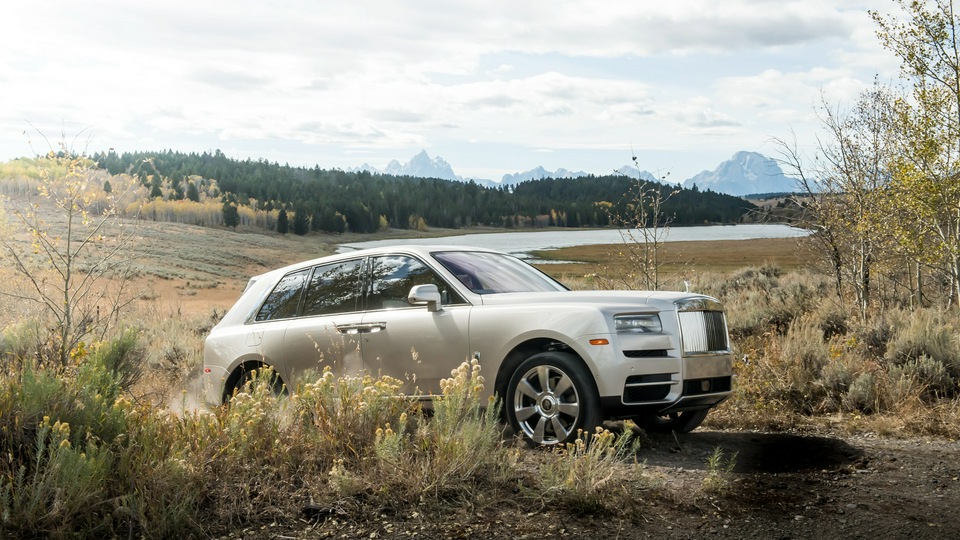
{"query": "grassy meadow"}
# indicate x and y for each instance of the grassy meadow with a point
(113, 443)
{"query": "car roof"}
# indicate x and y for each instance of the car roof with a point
(411, 249)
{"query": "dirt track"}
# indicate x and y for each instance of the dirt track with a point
(784, 486)
(817, 486)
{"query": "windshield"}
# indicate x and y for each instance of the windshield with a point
(487, 273)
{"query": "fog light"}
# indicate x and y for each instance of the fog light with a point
(705, 385)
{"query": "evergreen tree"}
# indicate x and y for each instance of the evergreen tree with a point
(156, 191)
(107, 188)
(192, 192)
(231, 217)
(283, 225)
(301, 222)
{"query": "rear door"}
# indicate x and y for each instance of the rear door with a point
(326, 333)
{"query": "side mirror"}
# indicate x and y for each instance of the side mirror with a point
(428, 295)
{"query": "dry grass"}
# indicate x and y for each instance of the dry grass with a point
(684, 260)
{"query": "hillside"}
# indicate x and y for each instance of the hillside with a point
(316, 199)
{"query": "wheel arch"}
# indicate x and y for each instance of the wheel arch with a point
(527, 349)
(235, 379)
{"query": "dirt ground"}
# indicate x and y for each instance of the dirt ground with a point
(784, 486)
(793, 485)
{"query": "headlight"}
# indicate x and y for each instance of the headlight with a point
(638, 323)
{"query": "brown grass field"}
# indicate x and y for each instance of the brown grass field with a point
(200, 269)
(684, 258)
(185, 270)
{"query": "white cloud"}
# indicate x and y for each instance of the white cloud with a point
(322, 81)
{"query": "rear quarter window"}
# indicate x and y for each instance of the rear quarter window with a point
(285, 297)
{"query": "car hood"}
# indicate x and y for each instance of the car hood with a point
(634, 299)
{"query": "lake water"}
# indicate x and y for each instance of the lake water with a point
(522, 243)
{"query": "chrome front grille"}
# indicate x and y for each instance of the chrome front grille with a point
(703, 332)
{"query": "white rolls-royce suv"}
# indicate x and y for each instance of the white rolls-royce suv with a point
(560, 360)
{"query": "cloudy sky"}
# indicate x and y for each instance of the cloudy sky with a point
(492, 87)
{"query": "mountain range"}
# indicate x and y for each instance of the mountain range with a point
(743, 174)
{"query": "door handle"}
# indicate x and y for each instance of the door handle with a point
(361, 328)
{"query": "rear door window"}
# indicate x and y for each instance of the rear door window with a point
(334, 288)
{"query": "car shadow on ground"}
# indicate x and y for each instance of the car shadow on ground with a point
(754, 452)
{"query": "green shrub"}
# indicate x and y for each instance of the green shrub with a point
(719, 472)
(923, 379)
(451, 455)
(925, 333)
(83, 461)
(56, 488)
(585, 474)
(864, 394)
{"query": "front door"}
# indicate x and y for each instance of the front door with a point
(409, 342)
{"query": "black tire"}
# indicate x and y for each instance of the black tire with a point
(551, 398)
(247, 374)
(681, 422)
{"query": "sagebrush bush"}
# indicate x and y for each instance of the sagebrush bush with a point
(174, 342)
(833, 321)
(77, 463)
(749, 279)
(20, 342)
(340, 416)
(448, 455)
(865, 394)
(784, 372)
(924, 379)
(875, 334)
(586, 473)
(926, 333)
(56, 485)
(839, 373)
(804, 355)
(763, 302)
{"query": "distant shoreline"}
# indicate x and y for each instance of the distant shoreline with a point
(524, 242)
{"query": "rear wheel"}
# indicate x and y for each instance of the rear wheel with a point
(550, 398)
(680, 422)
(246, 375)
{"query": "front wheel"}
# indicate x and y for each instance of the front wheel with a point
(680, 422)
(551, 398)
